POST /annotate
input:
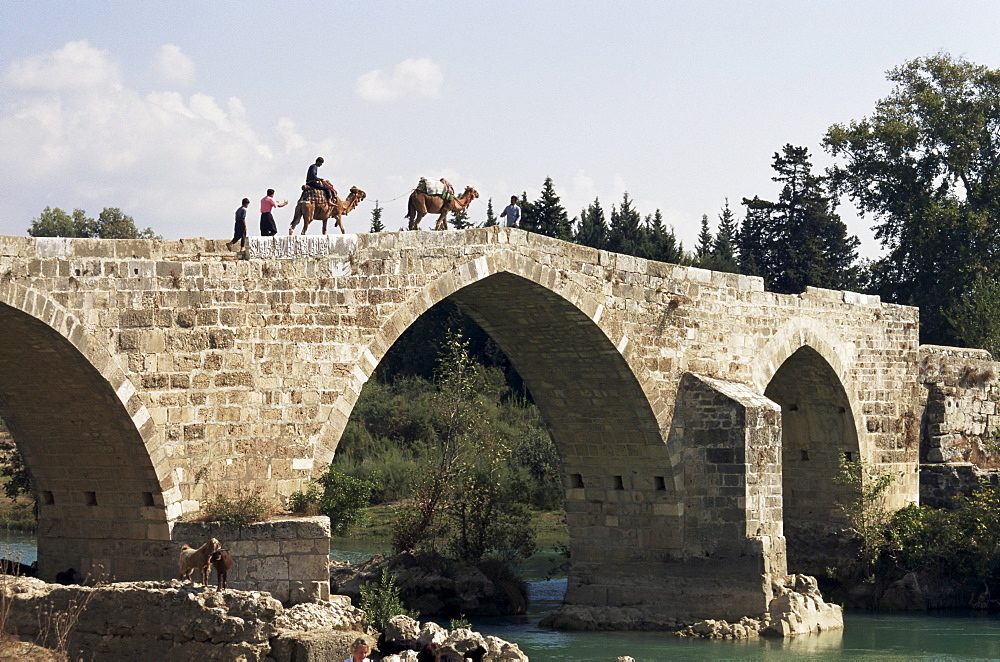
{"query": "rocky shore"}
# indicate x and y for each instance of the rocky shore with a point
(180, 621)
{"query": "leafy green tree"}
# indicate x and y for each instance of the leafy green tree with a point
(625, 233)
(466, 499)
(925, 166)
(57, 223)
(593, 228)
(377, 225)
(111, 223)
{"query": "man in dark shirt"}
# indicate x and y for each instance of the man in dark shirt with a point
(313, 180)
(240, 229)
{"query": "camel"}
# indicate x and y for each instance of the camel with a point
(312, 206)
(421, 204)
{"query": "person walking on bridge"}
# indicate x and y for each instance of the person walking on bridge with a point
(240, 228)
(267, 203)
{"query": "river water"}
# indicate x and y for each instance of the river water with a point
(866, 636)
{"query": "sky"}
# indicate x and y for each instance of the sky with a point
(175, 111)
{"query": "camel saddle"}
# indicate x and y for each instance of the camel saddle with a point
(442, 189)
(315, 195)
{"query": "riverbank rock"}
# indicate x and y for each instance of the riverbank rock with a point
(798, 608)
(179, 620)
(144, 620)
(405, 636)
(904, 595)
(432, 584)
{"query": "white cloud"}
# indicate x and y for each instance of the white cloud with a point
(74, 136)
(173, 65)
(417, 77)
(75, 66)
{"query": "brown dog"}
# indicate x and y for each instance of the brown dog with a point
(223, 563)
(195, 559)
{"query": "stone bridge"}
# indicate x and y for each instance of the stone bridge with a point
(699, 418)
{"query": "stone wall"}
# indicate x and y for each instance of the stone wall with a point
(183, 373)
(960, 444)
(290, 558)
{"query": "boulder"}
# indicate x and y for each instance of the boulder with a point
(798, 608)
(904, 595)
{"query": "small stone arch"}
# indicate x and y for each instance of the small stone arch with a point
(805, 370)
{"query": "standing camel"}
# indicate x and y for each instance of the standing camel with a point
(312, 206)
(421, 204)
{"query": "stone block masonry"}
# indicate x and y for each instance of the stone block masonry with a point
(288, 558)
(141, 378)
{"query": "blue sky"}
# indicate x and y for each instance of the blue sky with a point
(174, 111)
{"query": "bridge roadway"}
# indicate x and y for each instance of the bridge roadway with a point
(699, 418)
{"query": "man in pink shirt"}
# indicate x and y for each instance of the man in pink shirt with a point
(267, 203)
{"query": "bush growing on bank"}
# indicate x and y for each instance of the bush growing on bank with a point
(340, 497)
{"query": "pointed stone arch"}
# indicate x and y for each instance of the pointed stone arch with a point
(89, 442)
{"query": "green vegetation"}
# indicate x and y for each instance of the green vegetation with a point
(245, 507)
(111, 223)
(868, 515)
(340, 497)
(382, 600)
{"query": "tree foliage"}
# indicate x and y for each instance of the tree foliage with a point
(376, 224)
(467, 499)
(799, 240)
(926, 166)
(111, 223)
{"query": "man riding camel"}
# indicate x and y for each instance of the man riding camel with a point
(313, 181)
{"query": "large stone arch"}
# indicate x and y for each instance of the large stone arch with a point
(88, 441)
(806, 373)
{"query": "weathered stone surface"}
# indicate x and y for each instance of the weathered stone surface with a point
(166, 399)
(798, 608)
(904, 595)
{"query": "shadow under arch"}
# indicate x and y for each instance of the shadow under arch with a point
(622, 505)
(87, 441)
(818, 430)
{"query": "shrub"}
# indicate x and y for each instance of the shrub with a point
(245, 507)
(336, 495)
(382, 600)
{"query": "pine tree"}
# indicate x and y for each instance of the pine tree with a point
(625, 233)
(665, 247)
(460, 220)
(703, 251)
(798, 241)
(724, 248)
(593, 228)
(377, 219)
(548, 215)
(491, 217)
(528, 220)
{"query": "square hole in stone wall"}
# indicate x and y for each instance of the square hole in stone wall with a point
(805, 455)
(848, 456)
(619, 483)
(90, 498)
(660, 483)
(575, 481)
(147, 499)
(47, 498)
